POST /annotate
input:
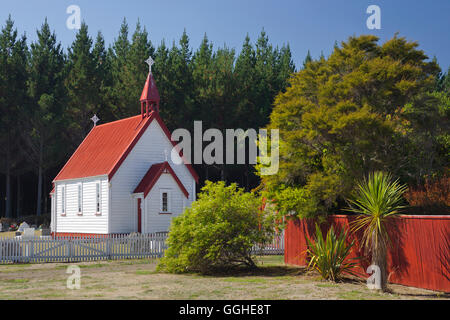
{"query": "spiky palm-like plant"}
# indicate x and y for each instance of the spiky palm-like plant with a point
(378, 198)
(329, 255)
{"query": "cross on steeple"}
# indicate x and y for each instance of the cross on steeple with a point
(150, 62)
(150, 96)
(95, 119)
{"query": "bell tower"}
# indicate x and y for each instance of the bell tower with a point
(150, 96)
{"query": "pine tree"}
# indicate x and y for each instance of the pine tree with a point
(118, 55)
(266, 77)
(307, 60)
(103, 78)
(13, 59)
(45, 114)
(284, 68)
(179, 110)
(82, 86)
(246, 77)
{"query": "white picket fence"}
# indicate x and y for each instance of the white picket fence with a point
(87, 248)
(91, 248)
(276, 247)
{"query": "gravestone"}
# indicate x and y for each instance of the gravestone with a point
(28, 233)
(1, 227)
(45, 232)
(23, 226)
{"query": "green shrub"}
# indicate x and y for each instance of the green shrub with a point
(329, 256)
(217, 231)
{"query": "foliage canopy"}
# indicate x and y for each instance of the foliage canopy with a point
(366, 107)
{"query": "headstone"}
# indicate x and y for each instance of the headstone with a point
(23, 226)
(1, 227)
(45, 232)
(28, 233)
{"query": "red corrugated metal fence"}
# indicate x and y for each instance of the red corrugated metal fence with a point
(419, 255)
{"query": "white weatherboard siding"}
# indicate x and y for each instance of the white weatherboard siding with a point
(153, 221)
(89, 221)
(147, 151)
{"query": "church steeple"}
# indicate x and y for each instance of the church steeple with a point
(150, 96)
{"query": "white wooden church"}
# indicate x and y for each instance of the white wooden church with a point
(120, 179)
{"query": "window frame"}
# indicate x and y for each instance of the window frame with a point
(98, 198)
(63, 200)
(169, 198)
(80, 198)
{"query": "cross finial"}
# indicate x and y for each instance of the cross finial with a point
(150, 62)
(95, 119)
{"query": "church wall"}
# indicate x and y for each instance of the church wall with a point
(147, 151)
(153, 220)
(89, 221)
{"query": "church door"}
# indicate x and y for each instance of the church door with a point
(139, 213)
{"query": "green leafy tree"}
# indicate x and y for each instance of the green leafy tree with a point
(218, 231)
(347, 115)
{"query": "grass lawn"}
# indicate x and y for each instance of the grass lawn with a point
(137, 279)
(12, 234)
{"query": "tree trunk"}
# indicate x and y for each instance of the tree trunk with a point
(8, 183)
(223, 173)
(39, 191)
(18, 197)
(379, 259)
(46, 195)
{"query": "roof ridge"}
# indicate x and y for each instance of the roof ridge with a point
(116, 121)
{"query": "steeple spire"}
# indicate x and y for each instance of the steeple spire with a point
(150, 96)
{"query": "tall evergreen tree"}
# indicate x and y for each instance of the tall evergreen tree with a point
(103, 78)
(284, 67)
(82, 86)
(266, 77)
(246, 77)
(129, 69)
(45, 115)
(307, 60)
(178, 109)
(117, 55)
(13, 59)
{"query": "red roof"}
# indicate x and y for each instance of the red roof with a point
(107, 146)
(150, 92)
(152, 176)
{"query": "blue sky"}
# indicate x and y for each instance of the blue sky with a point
(313, 25)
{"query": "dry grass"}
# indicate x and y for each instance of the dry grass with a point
(137, 279)
(12, 234)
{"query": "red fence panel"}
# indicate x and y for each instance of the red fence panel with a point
(419, 255)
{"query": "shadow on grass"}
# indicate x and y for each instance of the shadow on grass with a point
(260, 271)
(359, 281)
(442, 295)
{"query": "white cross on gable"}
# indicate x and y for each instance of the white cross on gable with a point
(95, 119)
(150, 62)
